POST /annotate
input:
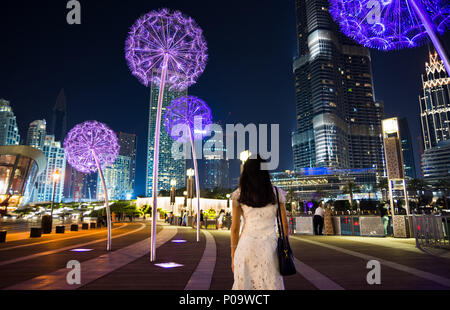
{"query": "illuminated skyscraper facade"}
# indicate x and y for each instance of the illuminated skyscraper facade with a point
(56, 160)
(9, 131)
(117, 178)
(128, 144)
(435, 103)
(36, 134)
(216, 167)
(435, 120)
(338, 118)
(407, 149)
(168, 168)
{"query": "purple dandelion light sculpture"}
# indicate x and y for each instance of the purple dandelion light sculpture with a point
(88, 147)
(393, 24)
(191, 117)
(166, 49)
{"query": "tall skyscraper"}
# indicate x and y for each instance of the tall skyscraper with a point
(56, 160)
(117, 178)
(338, 118)
(59, 121)
(435, 103)
(168, 167)
(216, 167)
(435, 120)
(9, 132)
(88, 190)
(128, 146)
(37, 131)
(407, 149)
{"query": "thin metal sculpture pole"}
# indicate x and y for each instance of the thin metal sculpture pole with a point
(197, 183)
(108, 211)
(429, 27)
(156, 157)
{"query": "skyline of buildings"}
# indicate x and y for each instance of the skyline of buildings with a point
(338, 118)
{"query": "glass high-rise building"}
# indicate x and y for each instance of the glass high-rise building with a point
(128, 143)
(407, 149)
(435, 103)
(117, 178)
(338, 118)
(435, 120)
(56, 160)
(168, 168)
(37, 132)
(9, 131)
(216, 166)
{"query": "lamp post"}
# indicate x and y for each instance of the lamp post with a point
(190, 187)
(56, 176)
(173, 184)
(228, 201)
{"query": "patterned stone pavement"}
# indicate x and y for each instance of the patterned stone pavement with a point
(323, 262)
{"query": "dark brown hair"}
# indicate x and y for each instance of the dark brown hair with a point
(256, 188)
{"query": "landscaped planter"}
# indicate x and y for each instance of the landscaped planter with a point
(46, 224)
(74, 227)
(92, 225)
(35, 232)
(60, 229)
(85, 226)
(3, 236)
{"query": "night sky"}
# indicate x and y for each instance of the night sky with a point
(249, 74)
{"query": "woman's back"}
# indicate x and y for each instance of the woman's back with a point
(259, 222)
(255, 261)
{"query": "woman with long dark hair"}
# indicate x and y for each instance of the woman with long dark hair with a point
(254, 250)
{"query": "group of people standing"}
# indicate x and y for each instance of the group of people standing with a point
(323, 218)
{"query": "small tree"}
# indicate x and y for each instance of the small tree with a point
(443, 185)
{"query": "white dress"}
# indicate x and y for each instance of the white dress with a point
(255, 259)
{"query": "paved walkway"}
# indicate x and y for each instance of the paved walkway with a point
(323, 263)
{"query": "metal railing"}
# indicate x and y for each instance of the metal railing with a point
(432, 231)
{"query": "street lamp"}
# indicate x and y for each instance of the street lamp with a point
(56, 176)
(190, 186)
(228, 201)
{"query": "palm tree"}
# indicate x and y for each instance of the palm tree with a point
(417, 185)
(383, 186)
(443, 185)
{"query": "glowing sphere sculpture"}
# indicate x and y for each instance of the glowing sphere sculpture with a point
(193, 116)
(166, 39)
(87, 140)
(389, 24)
(88, 147)
(190, 112)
